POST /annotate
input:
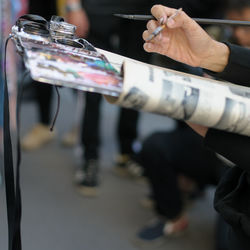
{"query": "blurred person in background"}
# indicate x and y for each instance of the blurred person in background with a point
(95, 22)
(239, 10)
(178, 168)
(40, 133)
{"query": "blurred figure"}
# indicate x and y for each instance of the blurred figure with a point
(239, 10)
(40, 134)
(177, 165)
(95, 18)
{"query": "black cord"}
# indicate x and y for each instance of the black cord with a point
(8, 160)
(18, 111)
(12, 186)
(57, 108)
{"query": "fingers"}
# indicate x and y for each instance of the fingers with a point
(145, 35)
(155, 47)
(173, 18)
(161, 13)
(148, 37)
(151, 47)
(157, 44)
(164, 16)
(152, 25)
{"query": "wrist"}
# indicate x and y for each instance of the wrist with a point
(73, 6)
(218, 57)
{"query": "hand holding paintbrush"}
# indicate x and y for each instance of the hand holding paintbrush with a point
(162, 26)
(183, 39)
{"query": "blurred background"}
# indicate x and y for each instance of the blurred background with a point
(56, 216)
(87, 184)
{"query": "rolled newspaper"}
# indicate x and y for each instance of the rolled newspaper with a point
(182, 96)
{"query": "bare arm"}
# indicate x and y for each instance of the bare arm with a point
(76, 15)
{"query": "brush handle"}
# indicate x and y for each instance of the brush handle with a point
(198, 20)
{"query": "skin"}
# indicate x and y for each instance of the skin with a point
(185, 41)
(79, 18)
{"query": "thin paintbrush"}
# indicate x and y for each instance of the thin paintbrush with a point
(198, 20)
(161, 27)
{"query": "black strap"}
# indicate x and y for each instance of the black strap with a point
(12, 182)
(12, 185)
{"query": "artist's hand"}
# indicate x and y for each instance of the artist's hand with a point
(184, 40)
(80, 19)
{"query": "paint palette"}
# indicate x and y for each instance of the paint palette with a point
(53, 54)
(80, 69)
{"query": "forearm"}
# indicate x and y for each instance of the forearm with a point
(238, 67)
(217, 58)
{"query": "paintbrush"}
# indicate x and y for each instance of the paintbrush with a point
(198, 20)
(161, 27)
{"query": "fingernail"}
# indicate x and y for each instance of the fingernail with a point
(162, 20)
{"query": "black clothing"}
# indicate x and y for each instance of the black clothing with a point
(237, 69)
(232, 198)
(221, 234)
(196, 8)
(109, 7)
(127, 130)
(90, 137)
(44, 100)
(45, 8)
(43, 91)
(104, 30)
(166, 155)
